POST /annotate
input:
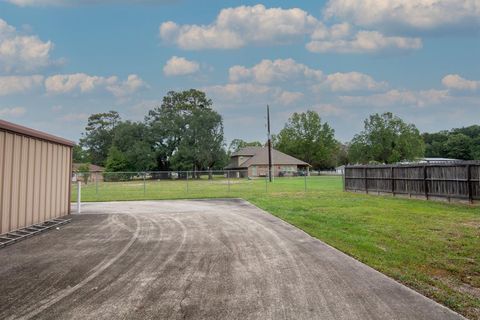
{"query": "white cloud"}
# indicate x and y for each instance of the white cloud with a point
(12, 112)
(74, 117)
(25, 3)
(127, 87)
(22, 53)
(399, 97)
(66, 83)
(56, 108)
(240, 94)
(352, 81)
(19, 84)
(240, 26)
(328, 110)
(237, 27)
(28, 3)
(337, 31)
(178, 66)
(268, 71)
(288, 98)
(364, 42)
(454, 81)
(291, 72)
(410, 14)
(83, 83)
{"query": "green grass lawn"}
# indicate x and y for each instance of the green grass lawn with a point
(431, 247)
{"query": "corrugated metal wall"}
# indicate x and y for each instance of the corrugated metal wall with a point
(34, 180)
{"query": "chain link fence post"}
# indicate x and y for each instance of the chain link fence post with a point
(266, 183)
(144, 184)
(305, 175)
(96, 183)
(79, 196)
(228, 180)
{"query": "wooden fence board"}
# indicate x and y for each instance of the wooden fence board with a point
(458, 180)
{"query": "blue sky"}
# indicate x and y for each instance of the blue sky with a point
(63, 60)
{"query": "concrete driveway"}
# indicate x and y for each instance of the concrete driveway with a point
(215, 259)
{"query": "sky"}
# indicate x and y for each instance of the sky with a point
(61, 61)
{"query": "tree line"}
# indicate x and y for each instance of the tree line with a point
(186, 133)
(183, 133)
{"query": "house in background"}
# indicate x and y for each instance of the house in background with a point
(253, 162)
(95, 173)
(340, 169)
(431, 161)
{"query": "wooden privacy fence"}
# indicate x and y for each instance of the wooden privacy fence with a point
(458, 180)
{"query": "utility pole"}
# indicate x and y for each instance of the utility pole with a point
(269, 146)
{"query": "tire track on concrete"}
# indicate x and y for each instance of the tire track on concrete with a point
(66, 292)
(214, 271)
(138, 279)
(327, 266)
(51, 277)
(367, 305)
(265, 274)
(163, 282)
(281, 247)
(121, 290)
(117, 287)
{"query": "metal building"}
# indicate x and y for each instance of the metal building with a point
(35, 176)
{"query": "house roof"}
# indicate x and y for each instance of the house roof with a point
(247, 151)
(93, 167)
(260, 157)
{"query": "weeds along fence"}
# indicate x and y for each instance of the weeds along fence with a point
(449, 181)
(102, 186)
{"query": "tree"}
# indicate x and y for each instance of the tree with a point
(459, 143)
(307, 138)
(187, 134)
(80, 155)
(132, 139)
(116, 161)
(342, 154)
(386, 139)
(458, 146)
(475, 150)
(201, 143)
(435, 144)
(84, 171)
(98, 136)
(238, 144)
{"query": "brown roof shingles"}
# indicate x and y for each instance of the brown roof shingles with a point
(260, 157)
(92, 167)
(247, 151)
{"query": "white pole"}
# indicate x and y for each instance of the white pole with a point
(79, 196)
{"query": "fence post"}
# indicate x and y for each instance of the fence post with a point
(79, 196)
(469, 184)
(266, 183)
(305, 182)
(366, 179)
(228, 180)
(187, 181)
(144, 184)
(425, 181)
(96, 183)
(393, 180)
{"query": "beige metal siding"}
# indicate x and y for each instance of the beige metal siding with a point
(34, 180)
(2, 161)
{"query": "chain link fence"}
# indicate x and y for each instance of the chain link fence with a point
(108, 186)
